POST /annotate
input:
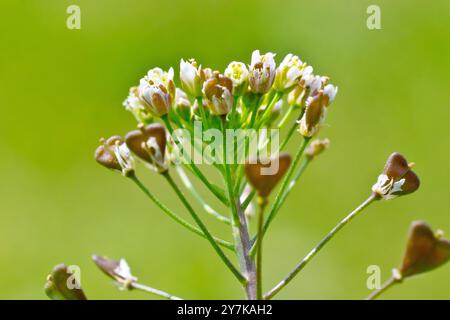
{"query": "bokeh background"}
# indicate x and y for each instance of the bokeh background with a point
(61, 90)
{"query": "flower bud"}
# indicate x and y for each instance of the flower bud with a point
(308, 86)
(149, 144)
(157, 90)
(118, 270)
(317, 147)
(315, 111)
(238, 73)
(217, 90)
(262, 72)
(193, 76)
(424, 250)
(137, 107)
(288, 72)
(397, 178)
(263, 174)
(63, 285)
(114, 154)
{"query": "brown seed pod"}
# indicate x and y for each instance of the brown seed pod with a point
(104, 154)
(424, 251)
(264, 174)
(57, 285)
(149, 144)
(397, 178)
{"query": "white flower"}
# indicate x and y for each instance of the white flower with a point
(123, 156)
(136, 106)
(330, 91)
(157, 90)
(289, 71)
(262, 72)
(123, 274)
(192, 77)
(386, 187)
(238, 73)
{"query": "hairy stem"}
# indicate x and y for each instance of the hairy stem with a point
(319, 246)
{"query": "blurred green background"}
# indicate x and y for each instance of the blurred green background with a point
(62, 89)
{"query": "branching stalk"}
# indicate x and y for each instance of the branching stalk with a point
(317, 248)
(204, 229)
(175, 217)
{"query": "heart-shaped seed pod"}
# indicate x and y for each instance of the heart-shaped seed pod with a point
(424, 251)
(263, 174)
(397, 178)
(57, 285)
(149, 144)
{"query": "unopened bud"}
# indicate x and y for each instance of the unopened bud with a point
(262, 72)
(217, 90)
(317, 147)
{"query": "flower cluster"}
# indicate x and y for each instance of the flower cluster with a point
(244, 98)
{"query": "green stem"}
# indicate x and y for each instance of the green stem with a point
(175, 217)
(205, 230)
(317, 248)
(240, 229)
(286, 117)
(273, 210)
(202, 112)
(388, 284)
(197, 172)
(297, 176)
(157, 292)
(262, 204)
(291, 131)
(266, 114)
(188, 184)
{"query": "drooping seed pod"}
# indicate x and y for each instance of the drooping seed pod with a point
(157, 90)
(63, 285)
(114, 154)
(263, 173)
(425, 250)
(149, 144)
(288, 72)
(238, 73)
(397, 178)
(117, 270)
(217, 90)
(262, 72)
(317, 147)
